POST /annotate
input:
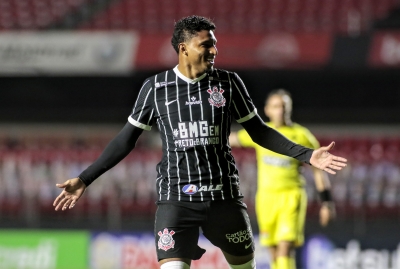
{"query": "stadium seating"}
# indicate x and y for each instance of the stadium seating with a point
(30, 167)
(35, 14)
(231, 16)
(344, 16)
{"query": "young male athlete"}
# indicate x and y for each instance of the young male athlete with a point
(281, 200)
(197, 184)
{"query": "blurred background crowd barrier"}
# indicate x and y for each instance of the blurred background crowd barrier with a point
(123, 199)
(70, 71)
(31, 164)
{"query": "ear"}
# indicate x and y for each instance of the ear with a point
(182, 49)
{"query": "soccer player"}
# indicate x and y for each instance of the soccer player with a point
(197, 184)
(281, 200)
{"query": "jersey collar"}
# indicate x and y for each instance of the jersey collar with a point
(188, 80)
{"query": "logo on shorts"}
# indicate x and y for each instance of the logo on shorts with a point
(239, 237)
(190, 189)
(166, 241)
(216, 98)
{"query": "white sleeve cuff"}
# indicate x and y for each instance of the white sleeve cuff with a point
(138, 124)
(248, 117)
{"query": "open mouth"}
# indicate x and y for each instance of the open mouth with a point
(211, 61)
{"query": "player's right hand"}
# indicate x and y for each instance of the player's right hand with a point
(73, 190)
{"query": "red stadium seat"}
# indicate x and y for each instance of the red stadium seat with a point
(343, 16)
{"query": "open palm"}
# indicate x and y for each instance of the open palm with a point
(327, 162)
(73, 190)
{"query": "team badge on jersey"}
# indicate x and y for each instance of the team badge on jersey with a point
(216, 98)
(166, 241)
(190, 189)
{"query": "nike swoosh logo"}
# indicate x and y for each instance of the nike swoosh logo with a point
(247, 246)
(170, 102)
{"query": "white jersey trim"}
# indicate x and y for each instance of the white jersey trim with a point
(248, 117)
(188, 80)
(138, 124)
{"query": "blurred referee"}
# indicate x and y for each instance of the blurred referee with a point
(281, 200)
(197, 183)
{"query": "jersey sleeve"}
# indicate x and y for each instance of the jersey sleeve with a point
(243, 107)
(310, 139)
(143, 110)
(245, 139)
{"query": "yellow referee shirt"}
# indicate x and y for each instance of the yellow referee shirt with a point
(275, 171)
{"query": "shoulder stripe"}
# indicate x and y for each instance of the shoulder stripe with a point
(248, 117)
(138, 124)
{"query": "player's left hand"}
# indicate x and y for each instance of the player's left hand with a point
(327, 213)
(327, 162)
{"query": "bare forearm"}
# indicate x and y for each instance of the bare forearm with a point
(323, 187)
(321, 180)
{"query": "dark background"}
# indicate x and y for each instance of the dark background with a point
(328, 96)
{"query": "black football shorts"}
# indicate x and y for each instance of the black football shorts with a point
(225, 223)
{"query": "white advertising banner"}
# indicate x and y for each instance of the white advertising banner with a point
(320, 252)
(67, 53)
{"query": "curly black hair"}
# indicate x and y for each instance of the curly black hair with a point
(188, 27)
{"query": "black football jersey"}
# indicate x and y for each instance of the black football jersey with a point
(194, 119)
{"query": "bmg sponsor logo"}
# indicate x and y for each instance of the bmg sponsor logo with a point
(196, 133)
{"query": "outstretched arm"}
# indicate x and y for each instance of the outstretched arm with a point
(115, 151)
(273, 140)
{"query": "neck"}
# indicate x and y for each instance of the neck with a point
(278, 124)
(189, 71)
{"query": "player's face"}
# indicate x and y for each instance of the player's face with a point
(278, 108)
(202, 50)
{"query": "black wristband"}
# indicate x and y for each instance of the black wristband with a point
(325, 196)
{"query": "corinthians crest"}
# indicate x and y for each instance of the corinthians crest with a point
(166, 241)
(216, 97)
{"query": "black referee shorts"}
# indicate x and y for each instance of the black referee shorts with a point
(225, 223)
